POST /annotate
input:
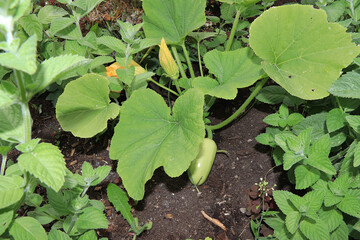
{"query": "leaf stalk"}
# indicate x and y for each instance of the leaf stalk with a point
(233, 30)
(242, 107)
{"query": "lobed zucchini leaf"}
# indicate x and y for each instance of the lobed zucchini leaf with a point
(172, 19)
(301, 51)
(148, 136)
(84, 108)
(234, 69)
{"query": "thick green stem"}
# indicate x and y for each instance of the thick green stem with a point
(177, 86)
(192, 74)
(339, 104)
(209, 104)
(233, 30)
(27, 121)
(176, 55)
(24, 106)
(72, 223)
(199, 57)
(209, 132)
(340, 155)
(20, 83)
(242, 107)
(3, 164)
(162, 86)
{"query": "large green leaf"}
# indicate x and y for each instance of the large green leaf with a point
(306, 176)
(17, 8)
(52, 68)
(112, 43)
(321, 162)
(314, 230)
(24, 59)
(32, 25)
(27, 228)
(331, 216)
(6, 218)
(84, 108)
(11, 123)
(149, 136)
(234, 69)
(292, 221)
(172, 19)
(91, 218)
(59, 24)
(350, 205)
(282, 200)
(301, 51)
(10, 190)
(8, 93)
(342, 232)
(85, 5)
(347, 86)
(49, 13)
(46, 163)
(58, 235)
(315, 199)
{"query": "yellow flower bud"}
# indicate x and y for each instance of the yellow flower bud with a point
(167, 62)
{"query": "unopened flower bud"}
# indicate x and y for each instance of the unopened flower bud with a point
(167, 61)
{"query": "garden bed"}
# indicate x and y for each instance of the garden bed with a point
(173, 204)
(263, 88)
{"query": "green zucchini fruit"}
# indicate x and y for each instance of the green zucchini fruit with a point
(200, 167)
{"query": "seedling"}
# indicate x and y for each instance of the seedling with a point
(121, 203)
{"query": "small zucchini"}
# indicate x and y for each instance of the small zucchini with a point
(200, 167)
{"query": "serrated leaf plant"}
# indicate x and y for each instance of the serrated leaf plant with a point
(320, 150)
(121, 203)
(39, 163)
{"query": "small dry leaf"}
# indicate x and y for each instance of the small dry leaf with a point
(222, 236)
(169, 216)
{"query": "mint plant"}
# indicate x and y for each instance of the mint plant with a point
(318, 153)
(318, 150)
(23, 76)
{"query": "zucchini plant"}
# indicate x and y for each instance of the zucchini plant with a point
(304, 55)
(67, 206)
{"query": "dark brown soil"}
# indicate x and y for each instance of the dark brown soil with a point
(173, 204)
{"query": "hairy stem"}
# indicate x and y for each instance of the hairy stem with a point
(192, 74)
(162, 86)
(233, 30)
(72, 223)
(3, 164)
(177, 87)
(209, 132)
(177, 59)
(24, 106)
(209, 104)
(199, 58)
